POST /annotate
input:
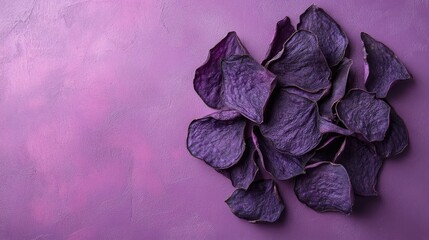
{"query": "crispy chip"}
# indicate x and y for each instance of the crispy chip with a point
(332, 39)
(325, 187)
(383, 67)
(301, 64)
(217, 139)
(292, 123)
(247, 86)
(364, 114)
(280, 165)
(259, 203)
(208, 77)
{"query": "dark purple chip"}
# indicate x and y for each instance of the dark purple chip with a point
(362, 164)
(325, 187)
(383, 68)
(396, 139)
(326, 126)
(329, 150)
(243, 173)
(246, 86)
(339, 84)
(332, 39)
(364, 114)
(301, 64)
(284, 30)
(280, 165)
(218, 139)
(292, 123)
(259, 203)
(316, 96)
(208, 77)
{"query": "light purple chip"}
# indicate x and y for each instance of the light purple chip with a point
(247, 86)
(217, 139)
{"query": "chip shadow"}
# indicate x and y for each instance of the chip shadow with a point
(401, 88)
(366, 206)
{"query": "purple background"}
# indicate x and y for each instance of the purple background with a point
(96, 98)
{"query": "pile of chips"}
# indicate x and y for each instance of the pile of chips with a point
(295, 116)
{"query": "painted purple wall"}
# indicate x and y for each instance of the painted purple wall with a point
(96, 98)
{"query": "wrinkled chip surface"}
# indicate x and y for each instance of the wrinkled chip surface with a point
(301, 64)
(338, 89)
(316, 96)
(363, 113)
(247, 86)
(325, 187)
(280, 165)
(284, 30)
(243, 173)
(362, 165)
(396, 139)
(259, 203)
(208, 77)
(292, 123)
(332, 39)
(383, 67)
(217, 139)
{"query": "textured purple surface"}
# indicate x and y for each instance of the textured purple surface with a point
(96, 98)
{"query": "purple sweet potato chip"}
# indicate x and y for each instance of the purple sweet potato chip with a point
(301, 64)
(247, 86)
(325, 187)
(339, 84)
(383, 67)
(284, 30)
(259, 203)
(291, 123)
(243, 173)
(218, 139)
(362, 165)
(364, 114)
(332, 39)
(316, 96)
(208, 77)
(280, 165)
(328, 150)
(326, 126)
(396, 139)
